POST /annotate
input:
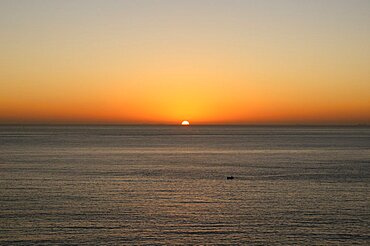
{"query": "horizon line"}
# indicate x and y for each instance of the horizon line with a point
(192, 124)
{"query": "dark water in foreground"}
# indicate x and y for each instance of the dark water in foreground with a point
(167, 185)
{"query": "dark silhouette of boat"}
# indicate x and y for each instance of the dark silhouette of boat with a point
(230, 177)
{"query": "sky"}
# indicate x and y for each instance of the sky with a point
(206, 61)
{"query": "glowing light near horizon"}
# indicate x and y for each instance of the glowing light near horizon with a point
(185, 123)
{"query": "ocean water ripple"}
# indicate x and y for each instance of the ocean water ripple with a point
(167, 185)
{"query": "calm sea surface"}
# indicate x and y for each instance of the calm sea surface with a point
(167, 185)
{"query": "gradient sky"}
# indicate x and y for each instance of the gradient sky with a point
(206, 61)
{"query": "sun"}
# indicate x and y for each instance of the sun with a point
(185, 123)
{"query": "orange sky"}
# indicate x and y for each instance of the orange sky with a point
(209, 62)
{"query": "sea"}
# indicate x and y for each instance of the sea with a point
(168, 185)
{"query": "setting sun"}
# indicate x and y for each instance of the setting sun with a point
(185, 123)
